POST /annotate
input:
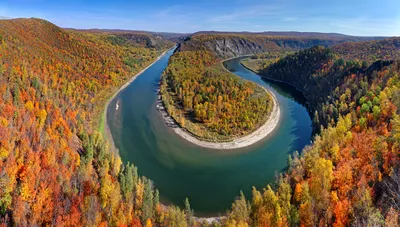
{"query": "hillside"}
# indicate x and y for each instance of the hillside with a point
(319, 70)
(371, 51)
(349, 175)
(55, 168)
(170, 36)
(137, 38)
(227, 45)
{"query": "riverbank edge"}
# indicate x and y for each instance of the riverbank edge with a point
(245, 141)
(107, 132)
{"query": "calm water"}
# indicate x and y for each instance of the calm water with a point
(210, 179)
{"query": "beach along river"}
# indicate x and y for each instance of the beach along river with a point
(211, 179)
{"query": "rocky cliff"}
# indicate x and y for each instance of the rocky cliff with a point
(232, 47)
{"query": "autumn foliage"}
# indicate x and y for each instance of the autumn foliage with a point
(350, 174)
(210, 102)
(54, 168)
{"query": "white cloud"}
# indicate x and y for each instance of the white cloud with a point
(290, 18)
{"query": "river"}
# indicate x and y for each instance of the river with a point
(211, 179)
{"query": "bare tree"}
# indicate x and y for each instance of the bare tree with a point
(391, 190)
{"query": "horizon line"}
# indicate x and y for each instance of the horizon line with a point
(201, 31)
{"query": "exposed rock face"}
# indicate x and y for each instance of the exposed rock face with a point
(232, 47)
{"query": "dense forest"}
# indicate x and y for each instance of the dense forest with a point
(135, 38)
(371, 51)
(55, 169)
(210, 102)
(350, 174)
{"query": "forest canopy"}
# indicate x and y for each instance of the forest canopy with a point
(210, 102)
(56, 170)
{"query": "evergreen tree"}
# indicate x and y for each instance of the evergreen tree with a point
(189, 213)
(147, 208)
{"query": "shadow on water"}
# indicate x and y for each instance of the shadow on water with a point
(298, 129)
(287, 91)
(211, 179)
(291, 93)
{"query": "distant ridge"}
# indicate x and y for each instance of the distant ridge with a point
(298, 34)
(172, 36)
(233, 44)
(49, 33)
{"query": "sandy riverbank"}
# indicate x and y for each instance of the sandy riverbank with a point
(241, 142)
(107, 131)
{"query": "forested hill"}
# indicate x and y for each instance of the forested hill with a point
(156, 40)
(226, 45)
(387, 49)
(350, 175)
(319, 70)
(55, 169)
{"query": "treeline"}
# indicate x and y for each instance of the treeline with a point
(209, 101)
(349, 176)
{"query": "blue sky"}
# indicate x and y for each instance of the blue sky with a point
(353, 17)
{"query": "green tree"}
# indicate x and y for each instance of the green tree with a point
(174, 217)
(239, 214)
(189, 213)
(156, 208)
(365, 108)
(376, 111)
(148, 207)
(285, 195)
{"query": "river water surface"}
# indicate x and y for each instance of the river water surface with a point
(211, 179)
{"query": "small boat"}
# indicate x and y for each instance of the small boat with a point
(116, 106)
